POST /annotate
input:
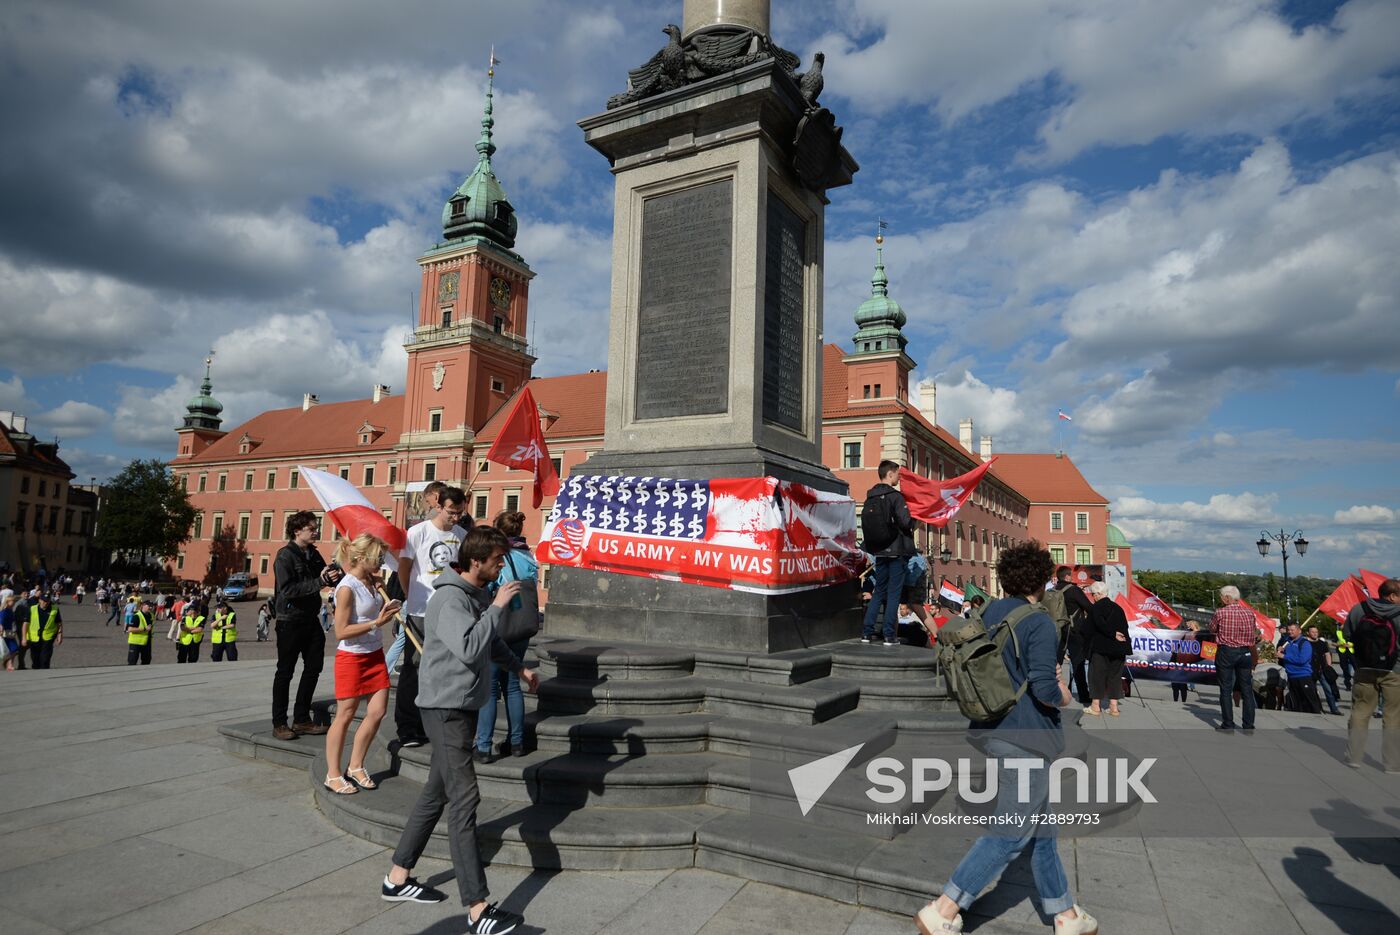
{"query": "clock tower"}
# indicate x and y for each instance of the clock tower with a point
(468, 353)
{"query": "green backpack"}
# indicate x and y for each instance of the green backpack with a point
(970, 657)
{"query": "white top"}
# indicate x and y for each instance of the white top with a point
(365, 609)
(431, 550)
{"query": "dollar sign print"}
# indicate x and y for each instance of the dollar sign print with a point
(554, 512)
(624, 490)
(607, 489)
(622, 518)
(697, 527)
(592, 487)
(605, 518)
(639, 522)
(658, 525)
(700, 497)
(644, 492)
(588, 514)
(662, 496)
(571, 511)
(677, 525)
(575, 485)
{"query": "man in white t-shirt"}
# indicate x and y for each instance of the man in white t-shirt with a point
(432, 547)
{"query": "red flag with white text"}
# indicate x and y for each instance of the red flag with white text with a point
(1346, 596)
(936, 502)
(520, 445)
(1144, 603)
(1372, 581)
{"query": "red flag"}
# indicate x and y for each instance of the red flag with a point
(1147, 604)
(1267, 625)
(1135, 617)
(520, 445)
(935, 502)
(1373, 581)
(1340, 602)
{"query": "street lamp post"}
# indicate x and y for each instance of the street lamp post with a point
(1283, 539)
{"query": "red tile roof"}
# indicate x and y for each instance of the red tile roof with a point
(1046, 478)
(326, 428)
(579, 400)
(36, 457)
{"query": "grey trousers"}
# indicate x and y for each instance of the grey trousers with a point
(452, 785)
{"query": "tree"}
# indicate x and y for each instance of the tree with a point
(146, 512)
(226, 556)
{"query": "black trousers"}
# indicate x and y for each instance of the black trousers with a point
(41, 653)
(307, 642)
(1304, 695)
(186, 652)
(140, 654)
(222, 651)
(1078, 655)
(406, 716)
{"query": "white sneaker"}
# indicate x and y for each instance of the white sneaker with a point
(931, 923)
(1080, 924)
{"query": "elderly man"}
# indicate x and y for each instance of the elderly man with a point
(1236, 632)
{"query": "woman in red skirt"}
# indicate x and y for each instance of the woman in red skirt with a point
(360, 613)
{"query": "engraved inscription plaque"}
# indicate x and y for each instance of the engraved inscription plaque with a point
(785, 265)
(683, 308)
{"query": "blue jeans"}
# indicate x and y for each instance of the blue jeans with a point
(1234, 669)
(991, 854)
(395, 651)
(1328, 693)
(889, 588)
(506, 684)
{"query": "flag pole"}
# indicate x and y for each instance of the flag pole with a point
(1310, 616)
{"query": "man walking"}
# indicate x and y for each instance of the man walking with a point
(1372, 626)
(44, 632)
(1297, 657)
(138, 636)
(300, 574)
(888, 533)
(460, 644)
(1236, 632)
(431, 550)
(1077, 606)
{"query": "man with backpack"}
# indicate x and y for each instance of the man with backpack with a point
(1076, 637)
(1020, 688)
(887, 531)
(1372, 626)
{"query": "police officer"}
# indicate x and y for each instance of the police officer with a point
(45, 630)
(191, 634)
(138, 636)
(224, 637)
(1346, 657)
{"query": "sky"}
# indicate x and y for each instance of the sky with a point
(1176, 220)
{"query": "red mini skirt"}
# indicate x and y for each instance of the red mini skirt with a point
(359, 674)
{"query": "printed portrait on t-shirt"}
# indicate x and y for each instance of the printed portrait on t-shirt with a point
(441, 554)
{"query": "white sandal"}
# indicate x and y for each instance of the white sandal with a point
(365, 783)
(340, 785)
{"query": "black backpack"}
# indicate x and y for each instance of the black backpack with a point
(877, 529)
(1375, 640)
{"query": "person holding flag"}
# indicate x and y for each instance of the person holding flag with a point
(888, 531)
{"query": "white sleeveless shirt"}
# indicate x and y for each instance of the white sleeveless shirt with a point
(366, 608)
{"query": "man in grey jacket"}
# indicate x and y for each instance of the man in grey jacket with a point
(459, 644)
(1371, 625)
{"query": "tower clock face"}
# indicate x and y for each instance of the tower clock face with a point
(447, 286)
(500, 293)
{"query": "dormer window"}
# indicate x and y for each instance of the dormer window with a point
(247, 443)
(459, 207)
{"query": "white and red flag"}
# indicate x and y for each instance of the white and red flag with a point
(349, 510)
(1064, 416)
(936, 502)
(1141, 604)
(520, 445)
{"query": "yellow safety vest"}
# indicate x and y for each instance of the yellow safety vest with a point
(189, 624)
(1345, 646)
(50, 625)
(142, 635)
(229, 635)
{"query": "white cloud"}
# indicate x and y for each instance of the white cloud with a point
(73, 419)
(13, 397)
(997, 411)
(1365, 515)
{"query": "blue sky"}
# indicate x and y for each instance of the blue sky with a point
(1175, 219)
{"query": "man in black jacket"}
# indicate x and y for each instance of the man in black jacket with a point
(1077, 605)
(301, 574)
(891, 559)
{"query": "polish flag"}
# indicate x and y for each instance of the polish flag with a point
(1065, 416)
(1373, 581)
(520, 445)
(1347, 595)
(935, 502)
(349, 510)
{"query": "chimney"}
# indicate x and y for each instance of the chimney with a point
(309, 400)
(928, 401)
(380, 391)
(986, 447)
(20, 424)
(7, 418)
(965, 434)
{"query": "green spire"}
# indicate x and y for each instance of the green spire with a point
(202, 411)
(479, 206)
(879, 318)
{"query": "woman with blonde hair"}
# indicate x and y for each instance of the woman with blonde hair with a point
(360, 672)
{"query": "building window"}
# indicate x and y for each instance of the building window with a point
(21, 514)
(345, 472)
(218, 524)
(262, 565)
(430, 470)
(558, 466)
(1057, 554)
(512, 502)
(479, 508)
(248, 480)
(498, 325)
(271, 480)
(1112, 554)
(180, 561)
(435, 421)
(1083, 556)
(294, 480)
(850, 454)
(53, 519)
(266, 526)
(198, 525)
(481, 466)
(393, 474)
(498, 385)
(446, 317)
(24, 484)
(369, 475)
(223, 482)
(43, 487)
(247, 564)
(203, 482)
(877, 391)
(1057, 522)
(865, 391)
(243, 520)
(1081, 522)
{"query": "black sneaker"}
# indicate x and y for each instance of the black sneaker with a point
(483, 756)
(494, 921)
(411, 742)
(411, 891)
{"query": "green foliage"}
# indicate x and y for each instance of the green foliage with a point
(1265, 591)
(226, 556)
(146, 512)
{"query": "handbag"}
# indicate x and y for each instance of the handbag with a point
(522, 619)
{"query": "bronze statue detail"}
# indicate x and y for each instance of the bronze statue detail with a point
(664, 71)
(702, 56)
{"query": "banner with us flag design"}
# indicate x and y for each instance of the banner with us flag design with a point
(755, 534)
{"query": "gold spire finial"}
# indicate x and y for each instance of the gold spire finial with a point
(491, 65)
(880, 231)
